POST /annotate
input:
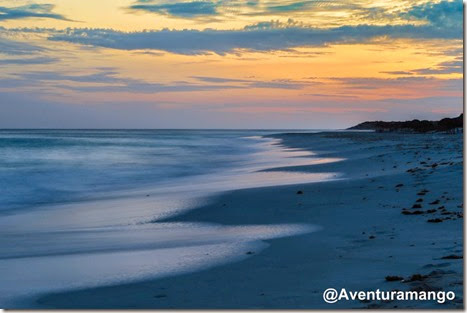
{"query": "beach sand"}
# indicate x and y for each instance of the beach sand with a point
(364, 237)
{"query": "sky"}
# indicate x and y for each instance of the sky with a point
(248, 64)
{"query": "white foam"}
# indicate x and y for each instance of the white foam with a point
(44, 262)
(108, 241)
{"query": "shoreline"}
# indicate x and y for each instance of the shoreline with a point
(364, 236)
(115, 238)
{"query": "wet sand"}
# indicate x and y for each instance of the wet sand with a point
(373, 225)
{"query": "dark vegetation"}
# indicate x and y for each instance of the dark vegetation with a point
(417, 126)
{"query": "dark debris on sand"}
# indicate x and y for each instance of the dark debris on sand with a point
(452, 257)
(394, 278)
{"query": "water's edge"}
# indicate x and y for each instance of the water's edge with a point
(117, 238)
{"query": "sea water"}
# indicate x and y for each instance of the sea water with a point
(81, 208)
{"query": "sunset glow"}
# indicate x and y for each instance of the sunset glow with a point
(228, 64)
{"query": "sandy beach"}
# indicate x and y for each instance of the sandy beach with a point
(396, 211)
(232, 155)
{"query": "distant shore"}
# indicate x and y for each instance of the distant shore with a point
(397, 212)
(449, 125)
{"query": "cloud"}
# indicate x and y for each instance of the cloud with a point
(294, 6)
(12, 47)
(219, 79)
(28, 11)
(193, 9)
(275, 24)
(397, 72)
(252, 3)
(29, 61)
(407, 83)
(108, 80)
(249, 83)
(449, 67)
(178, 9)
(193, 42)
(455, 68)
(442, 14)
(263, 36)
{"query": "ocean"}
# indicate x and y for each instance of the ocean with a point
(86, 208)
